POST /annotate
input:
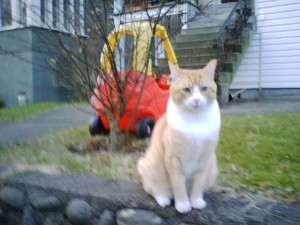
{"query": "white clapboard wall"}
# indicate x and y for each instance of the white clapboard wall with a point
(272, 59)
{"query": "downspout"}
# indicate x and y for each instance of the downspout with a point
(259, 47)
(259, 66)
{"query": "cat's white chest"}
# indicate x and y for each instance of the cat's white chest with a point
(200, 122)
(197, 150)
(199, 131)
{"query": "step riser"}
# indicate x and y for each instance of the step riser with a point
(189, 60)
(165, 69)
(194, 44)
(229, 62)
(195, 51)
(206, 24)
(194, 37)
(184, 66)
(204, 30)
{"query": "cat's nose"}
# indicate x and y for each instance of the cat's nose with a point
(196, 100)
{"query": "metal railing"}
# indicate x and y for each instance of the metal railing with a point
(155, 2)
(181, 13)
(172, 14)
(231, 32)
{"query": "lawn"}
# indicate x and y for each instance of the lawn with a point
(257, 154)
(261, 153)
(26, 111)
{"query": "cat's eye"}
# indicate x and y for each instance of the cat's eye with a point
(187, 90)
(204, 89)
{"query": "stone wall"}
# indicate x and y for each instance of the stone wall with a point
(34, 198)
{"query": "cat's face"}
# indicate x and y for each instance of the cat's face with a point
(193, 89)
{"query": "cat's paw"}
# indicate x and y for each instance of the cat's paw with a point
(183, 207)
(198, 203)
(163, 201)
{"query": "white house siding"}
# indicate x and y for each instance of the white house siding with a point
(273, 57)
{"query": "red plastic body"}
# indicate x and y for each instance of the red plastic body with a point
(153, 94)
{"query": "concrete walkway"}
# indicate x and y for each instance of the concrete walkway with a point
(79, 116)
(59, 119)
(263, 106)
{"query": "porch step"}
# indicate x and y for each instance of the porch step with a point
(194, 37)
(192, 44)
(208, 22)
(201, 30)
(202, 59)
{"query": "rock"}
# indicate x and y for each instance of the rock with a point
(3, 219)
(255, 219)
(187, 224)
(138, 216)
(46, 203)
(14, 217)
(78, 211)
(50, 222)
(55, 219)
(28, 216)
(13, 197)
(107, 218)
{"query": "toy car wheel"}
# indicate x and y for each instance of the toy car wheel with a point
(96, 126)
(144, 127)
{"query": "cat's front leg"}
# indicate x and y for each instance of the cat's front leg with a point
(177, 178)
(198, 184)
(202, 180)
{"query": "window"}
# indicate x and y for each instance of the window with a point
(6, 16)
(85, 9)
(55, 13)
(67, 14)
(77, 16)
(44, 11)
(79, 23)
(22, 12)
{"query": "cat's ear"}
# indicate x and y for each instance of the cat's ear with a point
(210, 68)
(174, 70)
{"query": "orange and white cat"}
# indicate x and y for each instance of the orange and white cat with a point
(180, 162)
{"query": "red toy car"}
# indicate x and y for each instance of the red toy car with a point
(152, 90)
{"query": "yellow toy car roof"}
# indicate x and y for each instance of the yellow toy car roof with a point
(142, 33)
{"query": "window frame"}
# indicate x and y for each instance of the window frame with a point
(2, 13)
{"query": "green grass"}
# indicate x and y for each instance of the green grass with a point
(261, 153)
(51, 150)
(26, 111)
(257, 154)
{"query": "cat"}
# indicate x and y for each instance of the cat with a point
(180, 161)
